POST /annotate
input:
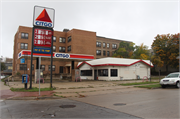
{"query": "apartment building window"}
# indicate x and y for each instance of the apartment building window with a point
(107, 53)
(104, 53)
(98, 44)
(22, 66)
(114, 46)
(102, 72)
(54, 48)
(62, 40)
(112, 52)
(24, 35)
(24, 46)
(107, 45)
(69, 38)
(69, 48)
(42, 67)
(53, 67)
(62, 49)
(54, 39)
(104, 45)
(98, 52)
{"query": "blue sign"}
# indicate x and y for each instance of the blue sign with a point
(42, 50)
(22, 60)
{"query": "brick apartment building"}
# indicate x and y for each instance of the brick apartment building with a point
(69, 41)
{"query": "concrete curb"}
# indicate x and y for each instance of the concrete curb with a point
(32, 98)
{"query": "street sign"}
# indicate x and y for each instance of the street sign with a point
(43, 17)
(42, 50)
(22, 60)
(42, 37)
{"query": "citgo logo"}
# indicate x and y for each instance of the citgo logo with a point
(43, 19)
(19, 55)
(62, 55)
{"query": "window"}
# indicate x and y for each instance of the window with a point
(69, 38)
(98, 52)
(62, 49)
(112, 52)
(61, 69)
(69, 48)
(54, 39)
(53, 67)
(62, 40)
(104, 45)
(86, 72)
(114, 46)
(102, 72)
(42, 67)
(98, 44)
(107, 53)
(104, 53)
(24, 35)
(23, 66)
(113, 72)
(107, 45)
(54, 48)
(24, 46)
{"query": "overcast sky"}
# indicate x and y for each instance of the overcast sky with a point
(136, 21)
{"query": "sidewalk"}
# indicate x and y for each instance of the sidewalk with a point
(6, 93)
(68, 89)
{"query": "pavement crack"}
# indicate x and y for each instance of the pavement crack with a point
(9, 113)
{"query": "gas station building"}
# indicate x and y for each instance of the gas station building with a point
(68, 45)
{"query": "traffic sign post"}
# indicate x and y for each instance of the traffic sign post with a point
(42, 37)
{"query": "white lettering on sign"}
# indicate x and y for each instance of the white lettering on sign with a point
(60, 55)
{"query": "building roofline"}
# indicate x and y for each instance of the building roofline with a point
(113, 38)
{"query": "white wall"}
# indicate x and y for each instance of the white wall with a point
(124, 73)
(87, 67)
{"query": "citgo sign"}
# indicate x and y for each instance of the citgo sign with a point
(43, 17)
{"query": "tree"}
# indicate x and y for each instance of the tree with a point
(166, 49)
(125, 50)
(141, 52)
(3, 66)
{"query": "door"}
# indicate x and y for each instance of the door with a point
(95, 74)
(60, 69)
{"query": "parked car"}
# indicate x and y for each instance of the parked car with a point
(171, 79)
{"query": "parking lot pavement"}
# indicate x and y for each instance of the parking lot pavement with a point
(146, 103)
(61, 108)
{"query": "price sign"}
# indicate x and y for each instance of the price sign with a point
(42, 37)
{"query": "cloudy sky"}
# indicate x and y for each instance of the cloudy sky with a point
(138, 21)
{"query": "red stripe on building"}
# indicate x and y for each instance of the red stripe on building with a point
(81, 56)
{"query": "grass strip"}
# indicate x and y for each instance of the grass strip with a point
(149, 86)
(137, 83)
(35, 89)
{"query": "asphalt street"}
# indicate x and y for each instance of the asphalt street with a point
(59, 108)
(147, 103)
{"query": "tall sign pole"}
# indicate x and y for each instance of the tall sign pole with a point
(42, 34)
